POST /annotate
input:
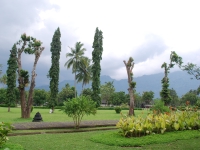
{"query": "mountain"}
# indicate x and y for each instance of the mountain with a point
(180, 81)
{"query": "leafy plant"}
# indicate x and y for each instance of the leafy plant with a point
(78, 107)
(118, 109)
(4, 129)
(159, 123)
(159, 107)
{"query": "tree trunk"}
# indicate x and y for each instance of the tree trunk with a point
(131, 108)
(8, 108)
(129, 68)
(75, 85)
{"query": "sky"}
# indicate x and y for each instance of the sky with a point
(146, 30)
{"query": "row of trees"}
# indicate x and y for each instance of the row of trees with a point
(81, 66)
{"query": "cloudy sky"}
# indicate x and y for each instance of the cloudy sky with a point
(145, 30)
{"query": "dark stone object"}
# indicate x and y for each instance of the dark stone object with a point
(37, 118)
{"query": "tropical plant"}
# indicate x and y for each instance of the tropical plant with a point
(79, 107)
(3, 79)
(158, 123)
(129, 69)
(4, 129)
(96, 67)
(75, 59)
(165, 93)
(84, 73)
(55, 69)
(27, 45)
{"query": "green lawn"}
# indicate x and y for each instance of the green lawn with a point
(77, 141)
(95, 139)
(58, 116)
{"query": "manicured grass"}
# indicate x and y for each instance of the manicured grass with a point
(76, 141)
(58, 116)
(115, 139)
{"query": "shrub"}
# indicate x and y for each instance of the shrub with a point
(4, 129)
(159, 107)
(118, 109)
(137, 126)
(78, 107)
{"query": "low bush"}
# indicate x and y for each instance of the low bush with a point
(78, 107)
(159, 123)
(118, 109)
(4, 129)
(159, 107)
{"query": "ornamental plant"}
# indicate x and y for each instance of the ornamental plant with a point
(118, 109)
(78, 107)
(4, 129)
(158, 123)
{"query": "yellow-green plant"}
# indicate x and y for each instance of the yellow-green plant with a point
(158, 123)
(4, 129)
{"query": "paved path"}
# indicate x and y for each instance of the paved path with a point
(63, 125)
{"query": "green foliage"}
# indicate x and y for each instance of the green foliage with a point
(175, 101)
(4, 129)
(25, 79)
(133, 85)
(119, 97)
(2, 95)
(87, 92)
(84, 71)
(147, 97)
(165, 93)
(191, 97)
(192, 69)
(137, 126)
(78, 107)
(40, 97)
(11, 76)
(3, 79)
(107, 90)
(55, 69)
(96, 67)
(159, 107)
(118, 109)
(65, 94)
(76, 60)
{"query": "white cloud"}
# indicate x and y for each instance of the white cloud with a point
(146, 30)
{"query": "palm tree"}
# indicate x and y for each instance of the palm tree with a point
(75, 58)
(3, 79)
(84, 72)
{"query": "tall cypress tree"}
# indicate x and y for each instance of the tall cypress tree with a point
(55, 69)
(96, 67)
(11, 76)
